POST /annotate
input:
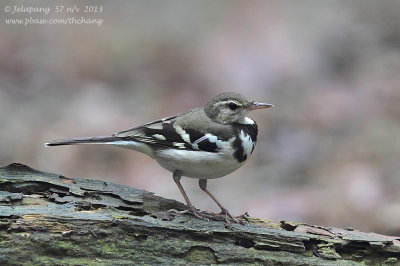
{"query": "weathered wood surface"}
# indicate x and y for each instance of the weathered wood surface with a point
(49, 219)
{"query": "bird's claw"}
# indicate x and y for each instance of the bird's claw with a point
(192, 210)
(236, 219)
(228, 218)
(207, 216)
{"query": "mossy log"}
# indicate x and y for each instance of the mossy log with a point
(49, 219)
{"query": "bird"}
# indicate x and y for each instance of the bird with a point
(203, 143)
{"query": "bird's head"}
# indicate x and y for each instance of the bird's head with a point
(231, 107)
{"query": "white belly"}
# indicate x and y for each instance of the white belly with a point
(198, 164)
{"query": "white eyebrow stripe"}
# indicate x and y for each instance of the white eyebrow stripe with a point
(229, 101)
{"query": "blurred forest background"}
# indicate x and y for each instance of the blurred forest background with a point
(328, 152)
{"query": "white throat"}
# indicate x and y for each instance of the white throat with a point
(247, 121)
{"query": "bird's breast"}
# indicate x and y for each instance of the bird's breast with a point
(245, 140)
(200, 164)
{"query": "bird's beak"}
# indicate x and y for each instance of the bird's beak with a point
(257, 105)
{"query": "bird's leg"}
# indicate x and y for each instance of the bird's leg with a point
(203, 186)
(191, 209)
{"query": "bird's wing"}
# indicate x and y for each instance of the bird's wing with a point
(154, 124)
(165, 133)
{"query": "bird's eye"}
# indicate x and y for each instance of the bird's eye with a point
(232, 106)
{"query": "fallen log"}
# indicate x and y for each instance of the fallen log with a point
(50, 219)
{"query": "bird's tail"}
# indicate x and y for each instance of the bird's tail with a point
(84, 140)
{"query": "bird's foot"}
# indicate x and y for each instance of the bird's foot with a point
(243, 218)
(207, 216)
(195, 212)
(228, 218)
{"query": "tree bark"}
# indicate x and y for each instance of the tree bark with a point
(49, 219)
